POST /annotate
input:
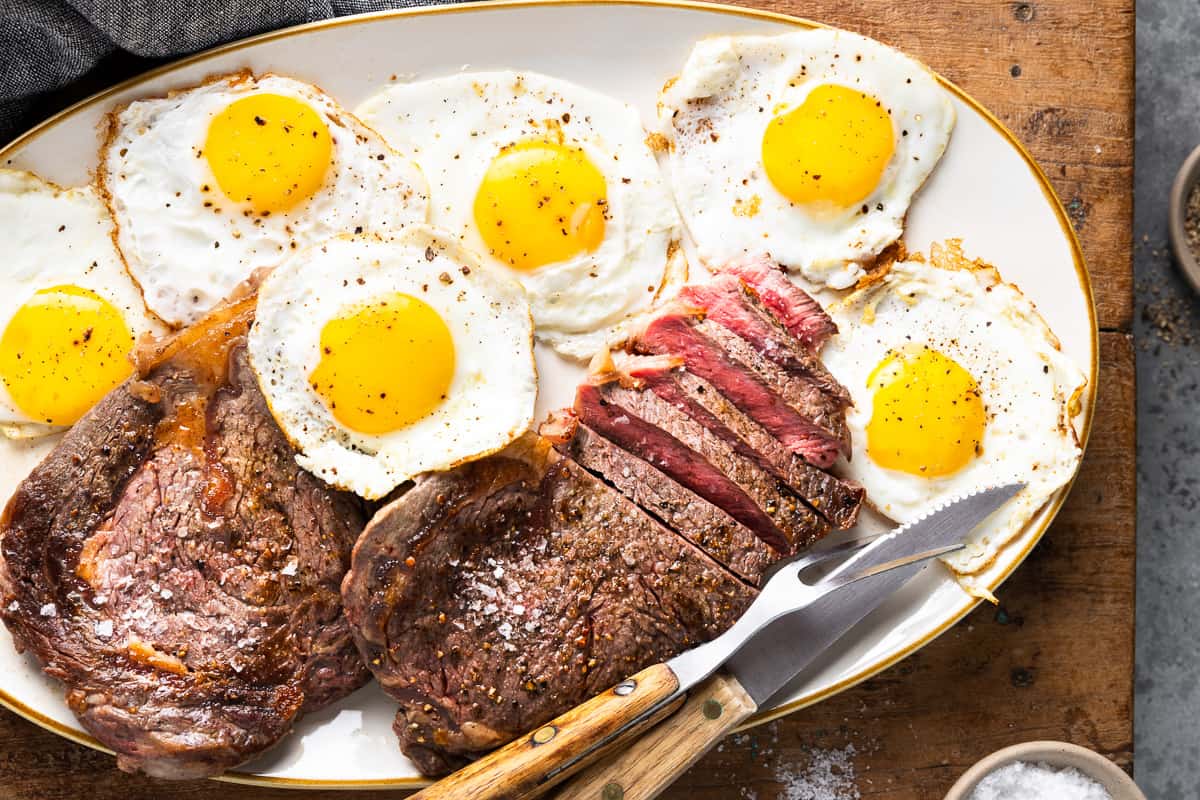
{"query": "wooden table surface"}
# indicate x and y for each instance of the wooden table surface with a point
(1055, 660)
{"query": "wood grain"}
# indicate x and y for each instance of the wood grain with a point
(528, 766)
(657, 759)
(1055, 661)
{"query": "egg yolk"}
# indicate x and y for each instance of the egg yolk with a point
(928, 416)
(63, 350)
(268, 151)
(384, 365)
(831, 150)
(540, 203)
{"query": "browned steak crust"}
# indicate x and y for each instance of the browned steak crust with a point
(172, 565)
(491, 598)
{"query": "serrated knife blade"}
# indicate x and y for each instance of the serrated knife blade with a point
(791, 622)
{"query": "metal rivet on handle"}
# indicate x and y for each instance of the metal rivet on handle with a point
(712, 708)
(543, 735)
(625, 688)
(612, 791)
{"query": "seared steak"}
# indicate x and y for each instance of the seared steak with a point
(672, 457)
(795, 308)
(493, 597)
(725, 539)
(835, 499)
(175, 569)
(802, 395)
(678, 334)
(731, 303)
(604, 403)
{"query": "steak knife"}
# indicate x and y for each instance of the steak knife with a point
(788, 625)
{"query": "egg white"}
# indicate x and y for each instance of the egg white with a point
(1030, 389)
(454, 126)
(492, 394)
(53, 237)
(187, 255)
(715, 113)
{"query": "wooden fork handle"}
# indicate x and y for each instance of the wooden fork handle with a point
(653, 762)
(532, 764)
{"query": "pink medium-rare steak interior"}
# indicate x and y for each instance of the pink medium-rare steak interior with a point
(796, 309)
(730, 303)
(723, 538)
(793, 519)
(837, 500)
(676, 334)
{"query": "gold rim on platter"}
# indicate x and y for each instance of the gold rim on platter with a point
(1044, 519)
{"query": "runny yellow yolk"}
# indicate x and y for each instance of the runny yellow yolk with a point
(831, 150)
(268, 151)
(63, 350)
(540, 203)
(928, 417)
(384, 365)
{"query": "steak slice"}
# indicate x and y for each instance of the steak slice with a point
(828, 418)
(795, 308)
(175, 569)
(836, 500)
(679, 334)
(728, 301)
(643, 423)
(726, 540)
(493, 597)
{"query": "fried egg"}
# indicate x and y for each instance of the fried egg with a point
(70, 313)
(381, 359)
(958, 384)
(209, 183)
(807, 146)
(550, 181)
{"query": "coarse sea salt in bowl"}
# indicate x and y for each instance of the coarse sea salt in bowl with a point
(1045, 771)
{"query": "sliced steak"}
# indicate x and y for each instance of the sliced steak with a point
(827, 415)
(795, 308)
(175, 569)
(836, 500)
(730, 302)
(642, 422)
(726, 540)
(674, 458)
(495, 596)
(674, 333)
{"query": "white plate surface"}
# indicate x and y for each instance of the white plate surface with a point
(986, 191)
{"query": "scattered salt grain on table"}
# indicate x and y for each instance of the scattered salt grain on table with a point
(1021, 780)
(827, 775)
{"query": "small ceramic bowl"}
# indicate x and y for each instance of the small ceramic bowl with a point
(1056, 754)
(1185, 179)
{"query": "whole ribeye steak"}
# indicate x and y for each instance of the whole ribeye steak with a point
(176, 570)
(491, 598)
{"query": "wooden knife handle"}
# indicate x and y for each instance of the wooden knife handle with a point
(652, 763)
(532, 764)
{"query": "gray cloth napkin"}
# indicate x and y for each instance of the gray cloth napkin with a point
(47, 46)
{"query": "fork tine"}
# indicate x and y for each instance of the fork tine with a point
(822, 552)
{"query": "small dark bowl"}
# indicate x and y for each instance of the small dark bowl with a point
(1185, 179)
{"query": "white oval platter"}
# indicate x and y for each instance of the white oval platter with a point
(987, 191)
